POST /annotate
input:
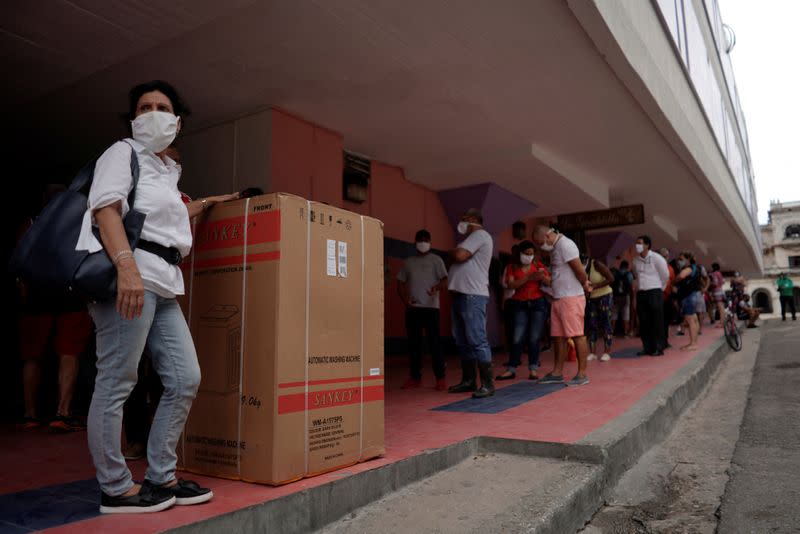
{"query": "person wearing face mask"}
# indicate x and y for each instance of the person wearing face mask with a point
(598, 308)
(652, 275)
(145, 312)
(569, 283)
(530, 310)
(419, 283)
(469, 287)
(508, 302)
(688, 286)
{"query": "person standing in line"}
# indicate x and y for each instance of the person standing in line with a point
(652, 275)
(599, 307)
(688, 284)
(469, 287)
(530, 311)
(508, 301)
(786, 292)
(419, 283)
(669, 307)
(623, 290)
(570, 284)
(717, 290)
(64, 319)
(145, 312)
(702, 307)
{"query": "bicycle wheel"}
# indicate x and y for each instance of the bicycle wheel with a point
(732, 335)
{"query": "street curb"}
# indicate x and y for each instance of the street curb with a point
(648, 422)
(615, 447)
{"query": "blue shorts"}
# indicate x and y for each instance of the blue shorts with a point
(691, 304)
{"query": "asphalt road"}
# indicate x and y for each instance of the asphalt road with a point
(763, 494)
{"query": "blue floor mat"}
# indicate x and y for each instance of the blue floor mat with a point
(42, 508)
(625, 353)
(503, 399)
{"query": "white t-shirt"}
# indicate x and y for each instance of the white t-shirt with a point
(472, 276)
(565, 283)
(167, 219)
(421, 273)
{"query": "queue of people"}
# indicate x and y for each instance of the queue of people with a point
(552, 291)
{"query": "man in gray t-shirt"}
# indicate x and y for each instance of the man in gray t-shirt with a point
(419, 283)
(469, 286)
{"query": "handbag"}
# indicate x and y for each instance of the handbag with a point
(45, 256)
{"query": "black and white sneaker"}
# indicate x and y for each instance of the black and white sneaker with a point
(188, 492)
(149, 499)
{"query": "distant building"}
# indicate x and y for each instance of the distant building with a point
(781, 240)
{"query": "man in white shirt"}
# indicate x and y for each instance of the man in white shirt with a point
(652, 274)
(570, 284)
(418, 284)
(469, 287)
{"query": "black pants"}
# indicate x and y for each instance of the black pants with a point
(419, 321)
(788, 302)
(669, 318)
(509, 308)
(650, 308)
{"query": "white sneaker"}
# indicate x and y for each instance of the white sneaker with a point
(605, 357)
(591, 357)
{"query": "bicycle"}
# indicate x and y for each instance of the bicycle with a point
(732, 334)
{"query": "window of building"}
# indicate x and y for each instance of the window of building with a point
(794, 262)
(792, 231)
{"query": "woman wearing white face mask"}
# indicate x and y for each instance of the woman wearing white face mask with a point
(530, 310)
(145, 312)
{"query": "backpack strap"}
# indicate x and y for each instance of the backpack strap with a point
(83, 181)
(134, 175)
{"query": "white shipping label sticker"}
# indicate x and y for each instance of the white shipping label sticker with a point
(331, 257)
(375, 371)
(342, 259)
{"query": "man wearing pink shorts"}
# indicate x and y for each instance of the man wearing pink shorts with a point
(569, 286)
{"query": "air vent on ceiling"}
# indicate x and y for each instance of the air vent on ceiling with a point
(355, 178)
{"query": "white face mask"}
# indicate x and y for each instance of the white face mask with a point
(639, 248)
(526, 259)
(546, 247)
(155, 129)
(423, 246)
(462, 227)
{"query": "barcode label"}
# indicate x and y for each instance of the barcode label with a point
(342, 259)
(375, 371)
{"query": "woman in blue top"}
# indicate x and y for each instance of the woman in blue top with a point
(687, 286)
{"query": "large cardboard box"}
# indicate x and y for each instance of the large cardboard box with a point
(285, 304)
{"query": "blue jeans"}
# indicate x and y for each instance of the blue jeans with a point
(162, 328)
(529, 319)
(469, 327)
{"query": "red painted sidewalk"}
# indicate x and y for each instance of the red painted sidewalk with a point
(34, 459)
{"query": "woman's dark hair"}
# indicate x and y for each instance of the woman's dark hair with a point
(715, 266)
(689, 256)
(178, 105)
(525, 245)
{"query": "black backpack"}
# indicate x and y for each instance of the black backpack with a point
(45, 257)
(622, 282)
